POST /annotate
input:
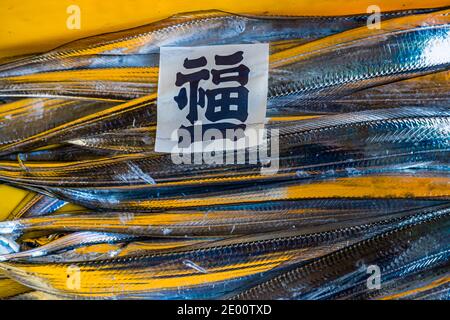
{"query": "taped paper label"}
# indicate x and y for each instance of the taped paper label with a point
(211, 97)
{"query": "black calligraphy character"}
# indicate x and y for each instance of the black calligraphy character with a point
(228, 102)
(196, 94)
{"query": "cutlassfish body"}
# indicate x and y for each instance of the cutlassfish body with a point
(399, 253)
(195, 28)
(364, 143)
(192, 273)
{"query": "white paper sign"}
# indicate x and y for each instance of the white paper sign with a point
(211, 95)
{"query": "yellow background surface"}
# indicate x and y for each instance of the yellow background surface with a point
(28, 26)
(36, 25)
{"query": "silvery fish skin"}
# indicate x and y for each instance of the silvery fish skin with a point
(106, 84)
(218, 222)
(135, 113)
(437, 292)
(67, 242)
(146, 197)
(345, 208)
(133, 122)
(422, 40)
(403, 48)
(112, 165)
(426, 91)
(133, 140)
(193, 273)
(406, 250)
(360, 143)
(89, 62)
(23, 119)
(141, 139)
(416, 280)
(150, 60)
(170, 224)
(195, 28)
(8, 245)
(394, 128)
(91, 252)
(35, 204)
(28, 124)
(360, 58)
(80, 149)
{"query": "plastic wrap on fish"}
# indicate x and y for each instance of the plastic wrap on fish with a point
(345, 197)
